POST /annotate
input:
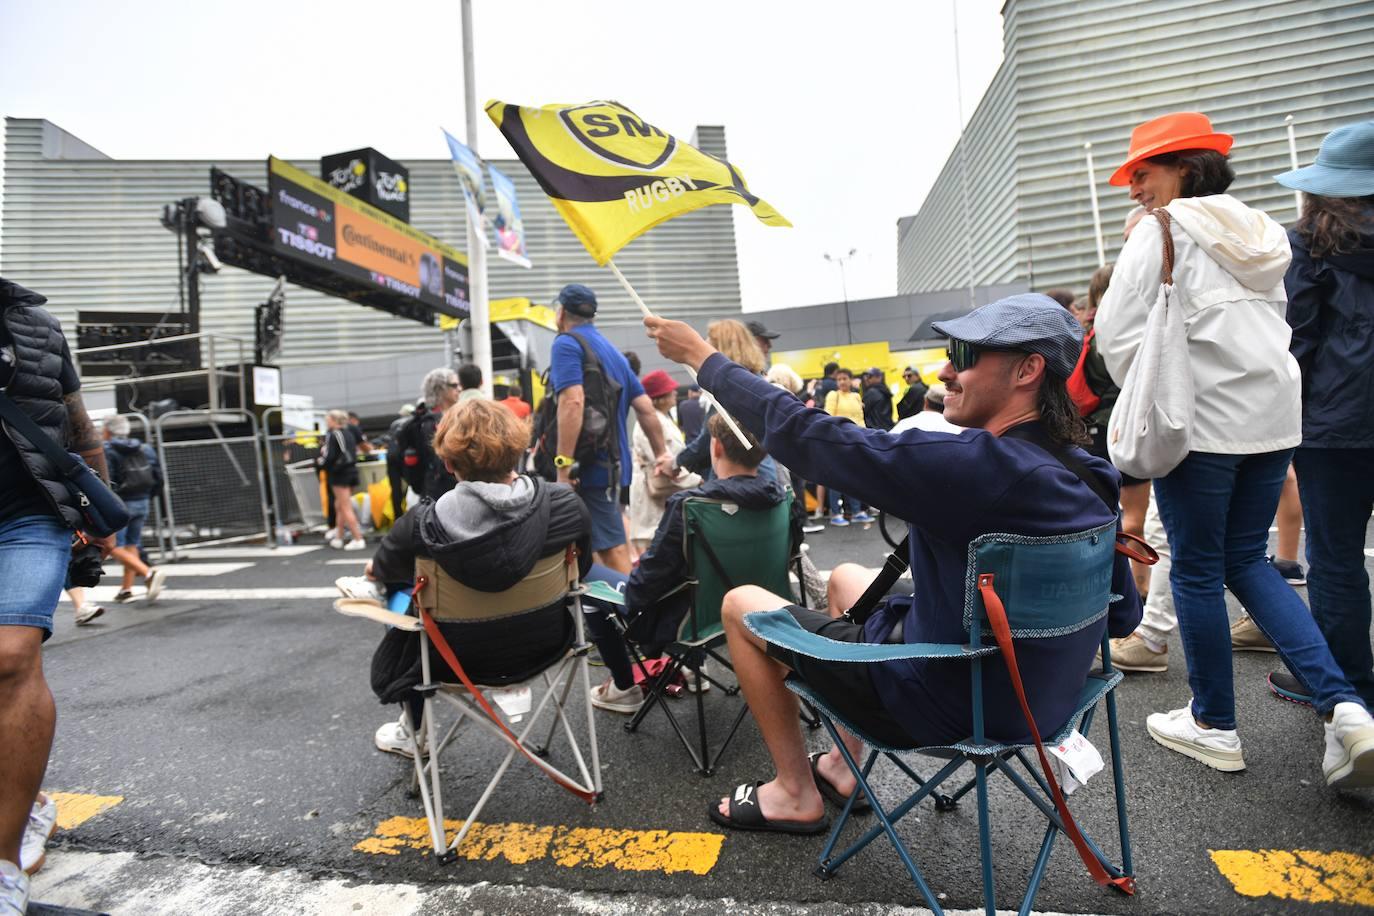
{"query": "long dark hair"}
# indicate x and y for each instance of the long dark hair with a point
(1205, 171)
(1334, 225)
(1058, 413)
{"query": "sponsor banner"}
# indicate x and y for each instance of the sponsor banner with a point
(614, 176)
(469, 169)
(510, 228)
(326, 227)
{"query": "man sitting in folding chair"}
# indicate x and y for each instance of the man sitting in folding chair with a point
(1010, 471)
(656, 599)
(487, 533)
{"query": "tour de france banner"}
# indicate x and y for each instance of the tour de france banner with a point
(510, 228)
(613, 175)
(317, 223)
(469, 169)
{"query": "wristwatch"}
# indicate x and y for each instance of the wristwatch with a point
(562, 461)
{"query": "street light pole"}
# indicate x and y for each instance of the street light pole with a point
(480, 318)
(844, 287)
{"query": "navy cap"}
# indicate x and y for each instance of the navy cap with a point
(758, 329)
(1031, 322)
(578, 299)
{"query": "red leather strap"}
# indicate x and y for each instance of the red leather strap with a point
(436, 636)
(1001, 630)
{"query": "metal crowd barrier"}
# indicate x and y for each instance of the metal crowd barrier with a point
(291, 475)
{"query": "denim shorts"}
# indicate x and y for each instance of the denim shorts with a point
(608, 530)
(34, 553)
(132, 535)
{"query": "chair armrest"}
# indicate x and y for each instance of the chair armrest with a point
(371, 610)
(781, 629)
(601, 591)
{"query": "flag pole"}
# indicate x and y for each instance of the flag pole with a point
(480, 317)
(724, 414)
(1092, 197)
(1293, 159)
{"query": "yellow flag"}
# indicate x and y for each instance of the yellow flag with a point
(613, 175)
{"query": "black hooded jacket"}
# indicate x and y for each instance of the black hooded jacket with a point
(1331, 310)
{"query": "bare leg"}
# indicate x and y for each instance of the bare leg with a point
(133, 565)
(1135, 499)
(343, 508)
(78, 596)
(617, 558)
(847, 583)
(27, 717)
(1289, 519)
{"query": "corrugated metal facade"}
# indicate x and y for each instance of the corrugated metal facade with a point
(83, 229)
(1079, 71)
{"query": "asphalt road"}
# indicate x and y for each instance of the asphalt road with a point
(235, 723)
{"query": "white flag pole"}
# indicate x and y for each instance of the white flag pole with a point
(1097, 216)
(480, 317)
(725, 415)
(1293, 158)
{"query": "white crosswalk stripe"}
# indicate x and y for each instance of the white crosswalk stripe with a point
(187, 569)
(106, 593)
(248, 553)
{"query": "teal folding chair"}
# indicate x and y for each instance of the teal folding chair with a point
(1017, 588)
(725, 546)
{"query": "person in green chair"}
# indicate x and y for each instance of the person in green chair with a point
(655, 602)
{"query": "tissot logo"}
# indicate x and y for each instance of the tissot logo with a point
(617, 134)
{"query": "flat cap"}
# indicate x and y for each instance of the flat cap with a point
(1031, 322)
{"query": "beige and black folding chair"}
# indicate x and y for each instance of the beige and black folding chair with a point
(440, 599)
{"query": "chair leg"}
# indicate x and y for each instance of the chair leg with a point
(985, 838)
(1042, 862)
(1119, 783)
(655, 696)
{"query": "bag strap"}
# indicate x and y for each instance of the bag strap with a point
(893, 567)
(1167, 271)
(68, 466)
(436, 636)
(1001, 629)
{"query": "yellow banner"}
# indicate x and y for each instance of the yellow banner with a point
(614, 176)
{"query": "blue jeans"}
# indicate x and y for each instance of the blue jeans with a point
(602, 632)
(1217, 510)
(132, 533)
(34, 553)
(1337, 488)
(836, 502)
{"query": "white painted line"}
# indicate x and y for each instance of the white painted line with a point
(107, 593)
(189, 569)
(1369, 551)
(359, 562)
(247, 553)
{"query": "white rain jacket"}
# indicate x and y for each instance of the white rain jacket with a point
(1229, 261)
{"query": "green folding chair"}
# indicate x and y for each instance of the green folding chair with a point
(1017, 589)
(726, 546)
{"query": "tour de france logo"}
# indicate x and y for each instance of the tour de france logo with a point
(616, 134)
(349, 177)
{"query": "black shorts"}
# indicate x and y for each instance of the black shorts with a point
(344, 477)
(846, 686)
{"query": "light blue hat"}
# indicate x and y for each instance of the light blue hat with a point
(1344, 166)
(1031, 322)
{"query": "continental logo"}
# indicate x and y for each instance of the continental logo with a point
(618, 135)
(363, 240)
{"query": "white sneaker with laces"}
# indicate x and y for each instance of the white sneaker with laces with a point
(14, 890)
(394, 738)
(336, 543)
(611, 698)
(692, 683)
(33, 849)
(88, 613)
(1349, 759)
(1177, 730)
(359, 587)
(155, 578)
(359, 544)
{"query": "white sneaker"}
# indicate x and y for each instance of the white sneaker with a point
(42, 823)
(88, 613)
(394, 738)
(1177, 730)
(333, 534)
(611, 698)
(14, 890)
(154, 580)
(692, 683)
(359, 587)
(1349, 759)
(336, 543)
(359, 544)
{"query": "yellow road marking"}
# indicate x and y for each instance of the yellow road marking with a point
(664, 851)
(74, 808)
(1300, 874)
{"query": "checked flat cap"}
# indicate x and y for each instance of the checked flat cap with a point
(1030, 322)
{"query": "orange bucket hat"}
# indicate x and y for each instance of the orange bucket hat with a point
(1168, 134)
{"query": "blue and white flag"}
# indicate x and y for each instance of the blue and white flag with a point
(510, 228)
(469, 169)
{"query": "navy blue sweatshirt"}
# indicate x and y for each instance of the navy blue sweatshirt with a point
(951, 489)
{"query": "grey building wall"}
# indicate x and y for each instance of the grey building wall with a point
(83, 229)
(1079, 71)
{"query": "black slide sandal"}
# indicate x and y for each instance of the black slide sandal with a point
(745, 814)
(832, 794)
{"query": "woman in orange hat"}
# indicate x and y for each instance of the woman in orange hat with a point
(1217, 504)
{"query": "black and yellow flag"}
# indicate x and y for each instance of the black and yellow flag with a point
(613, 175)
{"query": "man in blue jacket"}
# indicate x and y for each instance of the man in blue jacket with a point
(1006, 383)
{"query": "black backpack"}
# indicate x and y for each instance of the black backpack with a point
(600, 426)
(136, 477)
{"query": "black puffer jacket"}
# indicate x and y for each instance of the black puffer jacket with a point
(40, 350)
(1331, 310)
(488, 537)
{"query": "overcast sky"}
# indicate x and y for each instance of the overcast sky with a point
(839, 114)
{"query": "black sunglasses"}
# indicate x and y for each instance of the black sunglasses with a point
(962, 354)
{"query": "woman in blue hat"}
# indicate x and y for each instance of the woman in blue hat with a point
(1330, 286)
